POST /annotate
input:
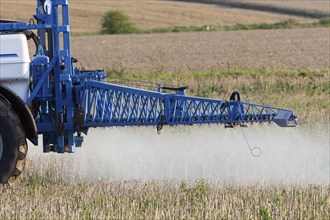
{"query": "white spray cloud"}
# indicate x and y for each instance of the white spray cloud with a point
(288, 155)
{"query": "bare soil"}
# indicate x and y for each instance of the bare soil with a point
(183, 52)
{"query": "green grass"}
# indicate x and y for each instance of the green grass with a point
(287, 24)
(325, 22)
(305, 91)
(302, 73)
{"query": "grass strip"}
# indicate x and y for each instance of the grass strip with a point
(286, 24)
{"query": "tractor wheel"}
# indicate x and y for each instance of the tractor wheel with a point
(13, 146)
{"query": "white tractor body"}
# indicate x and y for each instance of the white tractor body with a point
(15, 64)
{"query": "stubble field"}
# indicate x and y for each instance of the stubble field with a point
(164, 200)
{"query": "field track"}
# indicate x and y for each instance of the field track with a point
(316, 6)
(182, 52)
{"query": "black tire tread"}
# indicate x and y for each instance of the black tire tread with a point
(22, 148)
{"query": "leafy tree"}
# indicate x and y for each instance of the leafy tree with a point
(116, 22)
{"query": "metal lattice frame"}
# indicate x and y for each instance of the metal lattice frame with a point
(113, 105)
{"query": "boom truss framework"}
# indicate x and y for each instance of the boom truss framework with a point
(114, 105)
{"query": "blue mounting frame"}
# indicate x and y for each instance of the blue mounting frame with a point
(66, 101)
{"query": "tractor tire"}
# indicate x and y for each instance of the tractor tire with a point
(13, 146)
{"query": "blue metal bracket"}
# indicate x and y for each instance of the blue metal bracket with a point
(42, 81)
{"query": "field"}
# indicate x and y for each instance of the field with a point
(163, 200)
(198, 172)
(86, 16)
(214, 51)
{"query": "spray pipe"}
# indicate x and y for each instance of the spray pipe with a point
(255, 151)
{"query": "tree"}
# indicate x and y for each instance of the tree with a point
(116, 22)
